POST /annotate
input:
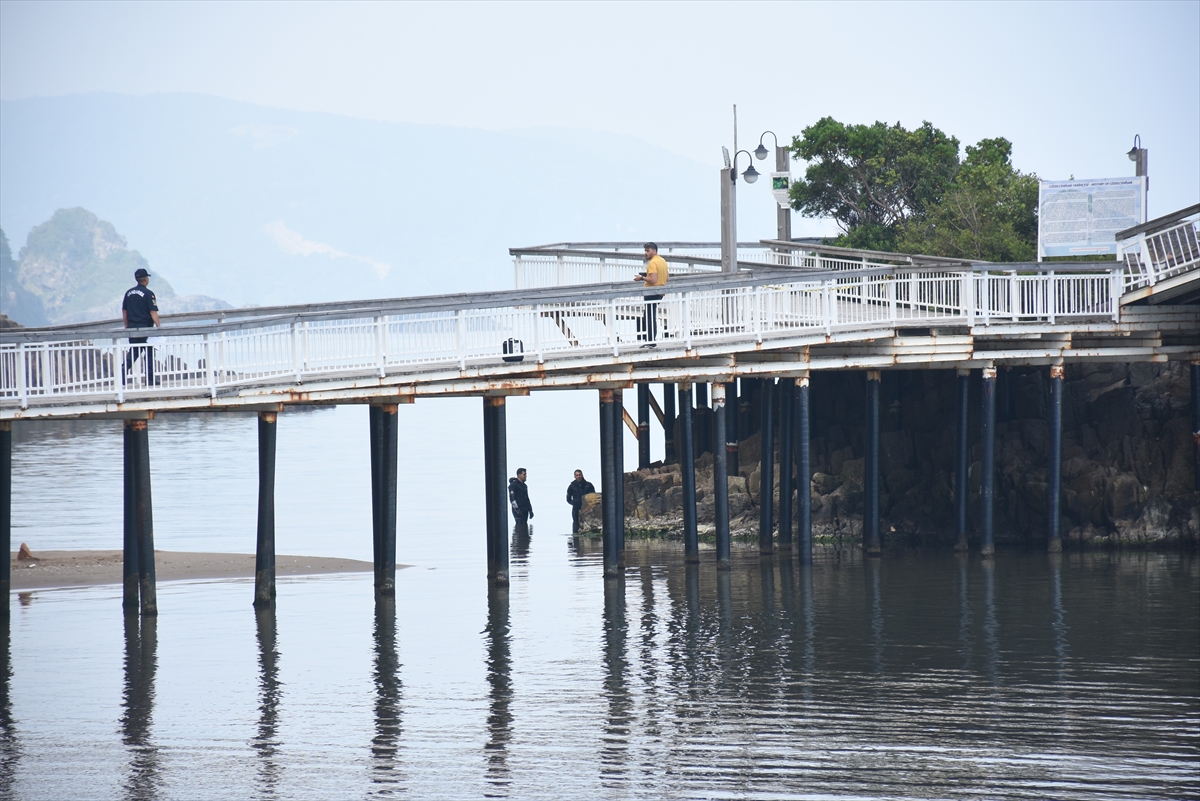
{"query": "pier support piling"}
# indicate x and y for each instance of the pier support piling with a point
(720, 479)
(687, 473)
(144, 515)
(988, 472)
(668, 423)
(804, 477)
(787, 392)
(384, 469)
(129, 562)
(960, 461)
(1054, 469)
(1196, 422)
(264, 552)
(618, 408)
(871, 540)
(608, 479)
(643, 425)
(766, 470)
(731, 426)
(5, 512)
(495, 476)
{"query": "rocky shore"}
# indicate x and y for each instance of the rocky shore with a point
(1128, 461)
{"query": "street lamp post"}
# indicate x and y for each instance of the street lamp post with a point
(1140, 156)
(783, 216)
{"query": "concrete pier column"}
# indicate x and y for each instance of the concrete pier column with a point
(787, 391)
(608, 478)
(1196, 422)
(720, 479)
(687, 474)
(766, 469)
(643, 425)
(1054, 469)
(129, 562)
(960, 461)
(731, 427)
(264, 552)
(144, 515)
(5, 514)
(668, 423)
(495, 469)
(618, 409)
(988, 473)
(804, 473)
(871, 541)
(384, 475)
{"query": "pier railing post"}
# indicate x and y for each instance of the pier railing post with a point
(687, 474)
(960, 461)
(264, 558)
(988, 545)
(608, 489)
(145, 517)
(804, 471)
(5, 513)
(495, 476)
(643, 425)
(787, 391)
(766, 470)
(1054, 470)
(871, 542)
(720, 478)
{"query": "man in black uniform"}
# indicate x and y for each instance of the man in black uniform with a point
(140, 310)
(575, 492)
(518, 496)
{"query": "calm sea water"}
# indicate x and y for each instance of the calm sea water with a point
(921, 675)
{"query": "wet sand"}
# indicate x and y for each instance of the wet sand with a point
(56, 569)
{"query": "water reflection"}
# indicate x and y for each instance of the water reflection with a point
(388, 695)
(521, 534)
(991, 626)
(650, 666)
(1059, 615)
(966, 642)
(141, 665)
(9, 750)
(875, 610)
(499, 677)
(266, 742)
(615, 741)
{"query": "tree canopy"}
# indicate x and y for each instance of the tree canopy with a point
(893, 189)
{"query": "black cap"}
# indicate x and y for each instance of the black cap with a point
(141, 273)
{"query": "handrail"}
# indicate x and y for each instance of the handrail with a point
(1157, 223)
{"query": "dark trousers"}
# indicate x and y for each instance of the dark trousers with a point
(575, 518)
(650, 321)
(146, 352)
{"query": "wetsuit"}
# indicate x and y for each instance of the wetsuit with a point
(575, 492)
(518, 498)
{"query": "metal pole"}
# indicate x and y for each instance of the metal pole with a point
(499, 487)
(871, 469)
(729, 219)
(960, 463)
(783, 217)
(668, 423)
(489, 497)
(1054, 477)
(618, 409)
(5, 520)
(264, 558)
(643, 421)
(145, 517)
(608, 484)
(375, 420)
(1196, 420)
(389, 460)
(687, 473)
(988, 548)
(787, 391)
(720, 480)
(731, 426)
(804, 479)
(129, 567)
(766, 470)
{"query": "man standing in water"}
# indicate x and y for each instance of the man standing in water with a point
(139, 309)
(518, 497)
(655, 276)
(575, 492)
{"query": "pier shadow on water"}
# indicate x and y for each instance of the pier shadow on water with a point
(143, 777)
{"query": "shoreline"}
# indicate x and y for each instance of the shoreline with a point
(64, 569)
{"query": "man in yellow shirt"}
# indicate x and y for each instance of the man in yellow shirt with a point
(656, 276)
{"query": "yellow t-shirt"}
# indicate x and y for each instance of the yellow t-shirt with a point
(656, 271)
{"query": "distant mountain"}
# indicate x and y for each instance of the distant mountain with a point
(17, 303)
(262, 205)
(78, 267)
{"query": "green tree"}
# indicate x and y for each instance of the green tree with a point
(988, 213)
(872, 179)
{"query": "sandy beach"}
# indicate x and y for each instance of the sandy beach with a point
(57, 569)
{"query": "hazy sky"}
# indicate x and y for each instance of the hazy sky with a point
(1070, 84)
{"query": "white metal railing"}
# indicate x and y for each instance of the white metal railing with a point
(1155, 255)
(415, 336)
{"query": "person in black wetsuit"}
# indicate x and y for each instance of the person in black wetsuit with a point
(139, 309)
(518, 498)
(575, 492)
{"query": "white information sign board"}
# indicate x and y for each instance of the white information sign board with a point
(1079, 218)
(781, 182)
